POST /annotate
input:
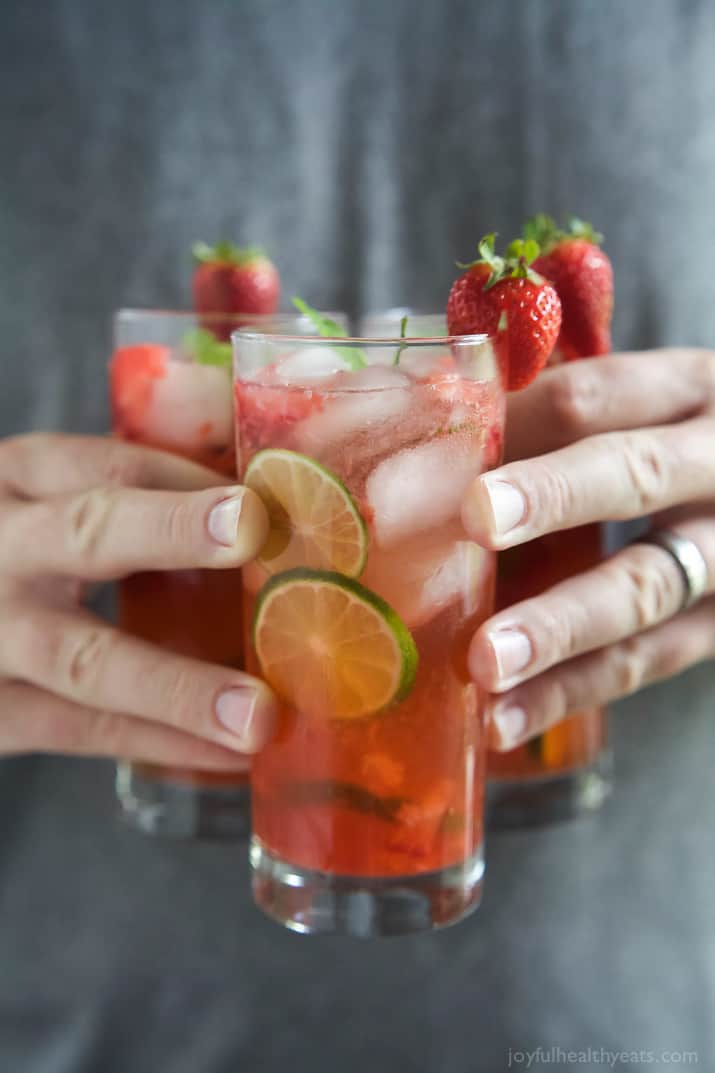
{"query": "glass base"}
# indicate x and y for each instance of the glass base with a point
(315, 903)
(183, 810)
(539, 801)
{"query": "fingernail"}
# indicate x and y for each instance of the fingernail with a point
(224, 518)
(512, 651)
(509, 721)
(235, 711)
(507, 503)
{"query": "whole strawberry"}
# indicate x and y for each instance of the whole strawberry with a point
(503, 296)
(228, 279)
(583, 277)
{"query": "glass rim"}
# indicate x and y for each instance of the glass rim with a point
(138, 313)
(407, 342)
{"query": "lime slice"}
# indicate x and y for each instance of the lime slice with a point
(331, 647)
(314, 521)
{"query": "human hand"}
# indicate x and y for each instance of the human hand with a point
(607, 439)
(77, 509)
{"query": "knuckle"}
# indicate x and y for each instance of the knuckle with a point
(653, 585)
(550, 495)
(647, 470)
(576, 399)
(183, 705)
(123, 465)
(87, 520)
(631, 668)
(177, 521)
(555, 638)
(81, 659)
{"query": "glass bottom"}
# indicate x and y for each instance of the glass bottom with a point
(535, 802)
(182, 810)
(319, 903)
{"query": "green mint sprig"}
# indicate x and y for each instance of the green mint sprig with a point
(329, 329)
(402, 346)
(205, 349)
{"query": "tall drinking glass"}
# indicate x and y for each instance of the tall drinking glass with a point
(567, 769)
(368, 804)
(170, 381)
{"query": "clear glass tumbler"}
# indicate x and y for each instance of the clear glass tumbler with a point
(368, 804)
(566, 770)
(170, 384)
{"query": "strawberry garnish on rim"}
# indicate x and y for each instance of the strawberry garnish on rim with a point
(506, 298)
(231, 279)
(582, 274)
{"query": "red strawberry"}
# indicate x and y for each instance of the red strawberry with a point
(132, 372)
(497, 292)
(232, 280)
(583, 277)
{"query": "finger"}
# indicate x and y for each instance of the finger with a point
(603, 676)
(619, 392)
(84, 660)
(613, 476)
(107, 532)
(34, 720)
(39, 465)
(637, 588)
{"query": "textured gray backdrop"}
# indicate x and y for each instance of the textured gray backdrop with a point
(367, 145)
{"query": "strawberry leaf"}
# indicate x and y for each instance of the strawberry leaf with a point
(523, 250)
(486, 247)
(578, 228)
(542, 229)
(330, 329)
(226, 253)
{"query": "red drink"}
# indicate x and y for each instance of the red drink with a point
(360, 614)
(171, 388)
(524, 572)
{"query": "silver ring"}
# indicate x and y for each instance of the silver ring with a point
(688, 557)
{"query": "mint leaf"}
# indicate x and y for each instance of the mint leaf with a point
(402, 346)
(330, 329)
(322, 324)
(205, 349)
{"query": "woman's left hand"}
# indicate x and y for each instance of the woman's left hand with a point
(607, 439)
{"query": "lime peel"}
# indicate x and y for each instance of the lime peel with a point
(314, 520)
(360, 675)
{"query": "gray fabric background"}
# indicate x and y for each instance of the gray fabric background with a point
(367, 145)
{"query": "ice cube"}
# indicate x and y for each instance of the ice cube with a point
(309, 364)
(362, 401)
(423, 577)
(190, 407)
(372, 378)
(422, 487)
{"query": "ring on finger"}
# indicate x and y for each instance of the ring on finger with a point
(688, 557)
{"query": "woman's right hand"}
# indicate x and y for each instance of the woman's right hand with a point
(77, 509)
